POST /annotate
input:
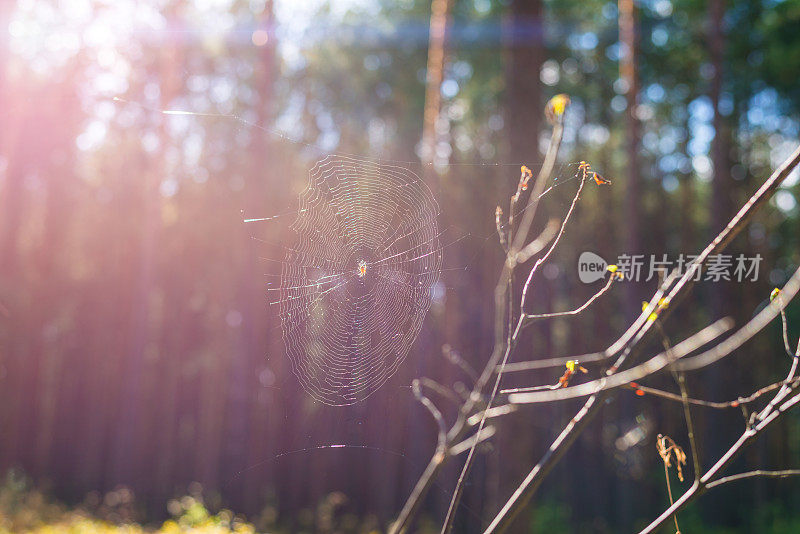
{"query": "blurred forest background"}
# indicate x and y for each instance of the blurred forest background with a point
(137, 346)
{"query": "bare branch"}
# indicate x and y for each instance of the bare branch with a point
(541, 180)
(644, 390)
(657, 363)
(472, 441)
(753, 474)
(455, 358)
(591, 357)
(498, 222)
(683, 349)
(438, 388)
(760, 421)
(755, 325)
(434, 411)
(497, 411)
(557, 449)
(525, 389)
(422, 486)
(687, 414)
(785, 329)
(538, 244)
(627, 342)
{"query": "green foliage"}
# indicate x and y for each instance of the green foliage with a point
(550, 517)
(780, 51)
(27, 510)
(766, 519)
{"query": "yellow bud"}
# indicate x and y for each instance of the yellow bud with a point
(654, 315)
(612, 268)
(560, 104)
(774, 294)
(556, 107)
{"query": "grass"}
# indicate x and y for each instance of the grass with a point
(25, 509)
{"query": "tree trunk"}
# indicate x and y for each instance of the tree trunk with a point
(633, 206)
(721, 379)
(524, 113)
(633, 187)
(721, 186)
(440, 10)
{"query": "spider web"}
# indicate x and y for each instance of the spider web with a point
(356, 286)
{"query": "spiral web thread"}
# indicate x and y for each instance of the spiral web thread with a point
(356, 285)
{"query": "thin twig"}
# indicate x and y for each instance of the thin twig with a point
(738, 403)
(434, 411)
(498, 222)
(785, 329)
(680, 378)
(455, 358)
(755, 325)
(472, 441)
(554, 244)
(752, 474)
(438, 388)
(543, 387)
(591, 357)
(497, 411)
(785, 388)
(687, 414)
(579, 309)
